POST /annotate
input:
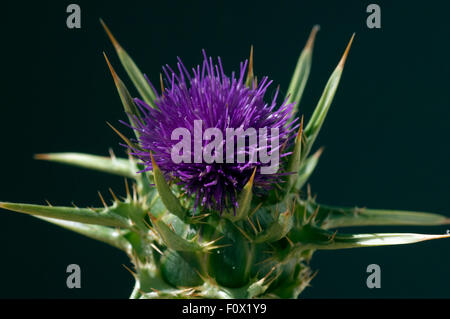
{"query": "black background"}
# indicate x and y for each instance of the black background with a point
(385, 138)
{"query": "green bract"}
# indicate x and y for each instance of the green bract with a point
(261, 251)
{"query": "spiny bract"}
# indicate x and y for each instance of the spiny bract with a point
(262, 247)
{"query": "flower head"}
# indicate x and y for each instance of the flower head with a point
(215, 100)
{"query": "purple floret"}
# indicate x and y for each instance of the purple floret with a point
(222, 102)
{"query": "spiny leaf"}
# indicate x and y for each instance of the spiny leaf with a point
(139, 81)
(278, 228)
(127, 101)
(108, 235)
(118, 166)
(321, 110)
(307, 168)
(97, 216)
(171, 239)
(250, 74)
(244, 200)
(332, 217)
(168, 198)
(301, 73)
(295, 159)
(315, 238)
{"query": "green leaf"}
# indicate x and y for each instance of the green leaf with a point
(127, 101)
(278, 228)
(112, 165)
(321, 110)
(169, 200)
(244, 201)
(250, 75)
(301, 73)
(295, 160)
(310, 237)
(171, 239)
(333, 217)
(132, 70)
(111, 236)
(307, 168)
(98, 216)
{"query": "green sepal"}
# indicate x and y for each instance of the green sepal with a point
(321, 110)
(250, 80)
(112, 236)
(169, 200)
(306, 169)
(129, 106)
(294, 162)
(301, 73)
(310, 237)
(244, 201)
(181, 269)
(136, 76)
(282, 223)
(333, 217)
(97, 216)
(173, 240)
(112, 165)
(231, 263)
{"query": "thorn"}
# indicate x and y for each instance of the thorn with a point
(252, 225)
(48, 203)
(156, 248)
(269, 273)
(111, 69)
(134, 192)
(111, 37)
(289, 241)
(73, 204)
(318, 152)
(255, 210)
(44, 157)
(312, 36)
(259, 225)
(111, 154)
(123, 137)
(127, 189)
(250, 64)
(162, 84)
(130, 271)
(308, 187)
(154, 165)
(331, 238)
(300, 131)
(250, 181)
(313, 215)
(265, 261)
(344, 57)
(243, 233)
(103, 201)
(113, 195)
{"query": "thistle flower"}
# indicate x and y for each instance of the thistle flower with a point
(261, 251)
(218, 101)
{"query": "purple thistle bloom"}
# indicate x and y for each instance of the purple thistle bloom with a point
(220, 102)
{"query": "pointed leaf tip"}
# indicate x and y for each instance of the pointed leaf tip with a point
(111, 69)
(110, 35)
(312, 37)
(153, 161)
(344, 56)
(300, 131)
(41, 156)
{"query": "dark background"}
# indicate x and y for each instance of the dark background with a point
(386, 135)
